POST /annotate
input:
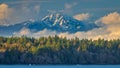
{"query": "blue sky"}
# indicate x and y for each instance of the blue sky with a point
(105, 13)
(40, 8)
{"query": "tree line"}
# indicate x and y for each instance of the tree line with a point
(55, 50)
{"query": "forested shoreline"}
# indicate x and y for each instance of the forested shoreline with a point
(55, 50)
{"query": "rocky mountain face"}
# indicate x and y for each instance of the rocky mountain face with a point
(54, 22)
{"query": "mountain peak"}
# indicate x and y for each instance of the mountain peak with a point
(56, 18)
(56, 22)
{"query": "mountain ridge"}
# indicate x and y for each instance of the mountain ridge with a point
(55, 22)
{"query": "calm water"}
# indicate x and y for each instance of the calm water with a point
(59, 66)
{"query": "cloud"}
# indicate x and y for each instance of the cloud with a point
(82, 17)
(110, 30)
(111, 23)
(68, 8)
(29, 33)
(37, 9)
(23, 31)
(25, 1)
(3, 9)
(111, 18)
(92, 34)
(18, 14)
(45, 33)
(4, 13)
(51, 11)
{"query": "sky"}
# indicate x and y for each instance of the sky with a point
(105, 13)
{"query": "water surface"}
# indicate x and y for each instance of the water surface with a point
(59, 66)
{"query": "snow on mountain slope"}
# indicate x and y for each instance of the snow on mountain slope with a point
(55, 22)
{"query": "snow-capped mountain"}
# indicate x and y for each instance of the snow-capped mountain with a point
(55, 22)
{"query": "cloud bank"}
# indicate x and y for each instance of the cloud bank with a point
(17, 14)
(110, 30)
(23, 31)
(112, 18)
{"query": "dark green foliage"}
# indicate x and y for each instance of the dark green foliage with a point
(55, 50)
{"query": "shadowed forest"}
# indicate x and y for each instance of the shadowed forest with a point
(55, 50)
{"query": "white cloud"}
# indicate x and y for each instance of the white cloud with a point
(82, 17)
(29, 33)
(111, 24)
(17, 14)
(111, 21)
(93, 34)
(45, 33)
(3, 9)
(67, 35)
(5, 12)
(111, 18)
(23, 31)
(108, 31)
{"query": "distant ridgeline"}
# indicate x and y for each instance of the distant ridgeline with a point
(55, 50)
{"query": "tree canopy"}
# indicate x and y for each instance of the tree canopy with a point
(55, 50)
